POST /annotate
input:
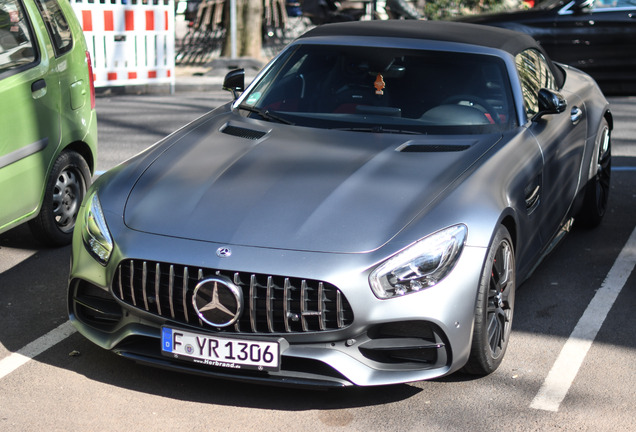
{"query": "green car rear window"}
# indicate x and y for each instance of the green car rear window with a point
(56, 25)
(16, 42)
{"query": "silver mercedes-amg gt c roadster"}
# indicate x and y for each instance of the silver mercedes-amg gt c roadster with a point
(360, 214)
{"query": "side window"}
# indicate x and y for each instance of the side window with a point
(56, 25)
(613, 4)
(534, 74)
(16, 42)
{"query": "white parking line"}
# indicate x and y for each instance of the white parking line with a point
(10, 257)
(564, 370)
(38, 346)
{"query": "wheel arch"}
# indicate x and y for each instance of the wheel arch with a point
(84, 150)
(610, 118)
(511, 225)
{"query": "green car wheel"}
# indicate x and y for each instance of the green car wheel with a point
(65, 190)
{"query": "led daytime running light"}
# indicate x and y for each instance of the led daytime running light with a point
(96, 235)
(421, 265)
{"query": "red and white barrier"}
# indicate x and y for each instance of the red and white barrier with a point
(131, 42)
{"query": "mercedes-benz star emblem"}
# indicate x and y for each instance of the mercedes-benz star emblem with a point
(218, 301)
(223, 252)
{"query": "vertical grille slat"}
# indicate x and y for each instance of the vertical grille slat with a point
(237, 282)
(144, 279)
(271, 304)
(157, 282)
(184, 293)
(199, 277)
(303, 304)
(252, 303)
(321, 306)
(287, 304)
(121, 285)
(340, 312)
(132, 282)
(269, 307)
(171, 290)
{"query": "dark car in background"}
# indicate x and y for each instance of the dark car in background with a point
(596, 36)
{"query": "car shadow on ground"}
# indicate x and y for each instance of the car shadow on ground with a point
(19, 238)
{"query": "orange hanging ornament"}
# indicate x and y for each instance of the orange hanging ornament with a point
(379, 85)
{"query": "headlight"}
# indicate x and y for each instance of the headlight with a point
(419, 266)
(96, 237)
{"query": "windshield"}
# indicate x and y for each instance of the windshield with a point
(389, 90)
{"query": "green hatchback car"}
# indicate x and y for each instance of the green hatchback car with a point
(48, 126)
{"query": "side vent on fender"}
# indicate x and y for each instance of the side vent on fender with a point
(532, 194)
(243, 132)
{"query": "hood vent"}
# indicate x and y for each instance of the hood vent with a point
(431, 148)
(243, 132)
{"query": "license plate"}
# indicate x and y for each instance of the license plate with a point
(220, 351)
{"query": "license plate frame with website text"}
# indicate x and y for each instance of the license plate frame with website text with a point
(220, 351)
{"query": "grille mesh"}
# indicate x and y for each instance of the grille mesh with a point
(273, 304)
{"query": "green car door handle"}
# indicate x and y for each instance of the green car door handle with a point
(38, 85)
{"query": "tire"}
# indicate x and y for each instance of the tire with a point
(598, 187)
(494, 307)
(65, 190)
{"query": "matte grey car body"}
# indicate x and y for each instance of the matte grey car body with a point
(355, 216)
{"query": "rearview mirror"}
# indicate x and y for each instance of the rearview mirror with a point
(550, 102)
(235, 82)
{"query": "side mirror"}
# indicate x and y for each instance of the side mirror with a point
(550, 102)
(580, 5)
(235, 82)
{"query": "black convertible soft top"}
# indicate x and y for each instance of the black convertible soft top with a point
(474, 34)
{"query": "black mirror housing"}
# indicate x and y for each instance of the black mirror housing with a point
(580, 5)
(550, 102)
(235, 82)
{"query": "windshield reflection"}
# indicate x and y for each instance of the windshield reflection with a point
(371, 89)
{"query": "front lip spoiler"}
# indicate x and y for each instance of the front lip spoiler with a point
(291, 379)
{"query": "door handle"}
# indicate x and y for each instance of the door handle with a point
(576, 114)
(38, 85)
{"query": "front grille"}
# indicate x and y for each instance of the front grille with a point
(273, 304)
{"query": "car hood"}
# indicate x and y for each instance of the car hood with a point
(254, 183)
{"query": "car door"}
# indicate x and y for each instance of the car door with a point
(29, 112)
(598, 37)
(561, 138)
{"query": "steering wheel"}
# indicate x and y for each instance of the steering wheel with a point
(476, 102)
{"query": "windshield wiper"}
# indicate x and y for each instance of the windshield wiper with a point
(266, 114)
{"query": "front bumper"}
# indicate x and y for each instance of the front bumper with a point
(416, 337)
